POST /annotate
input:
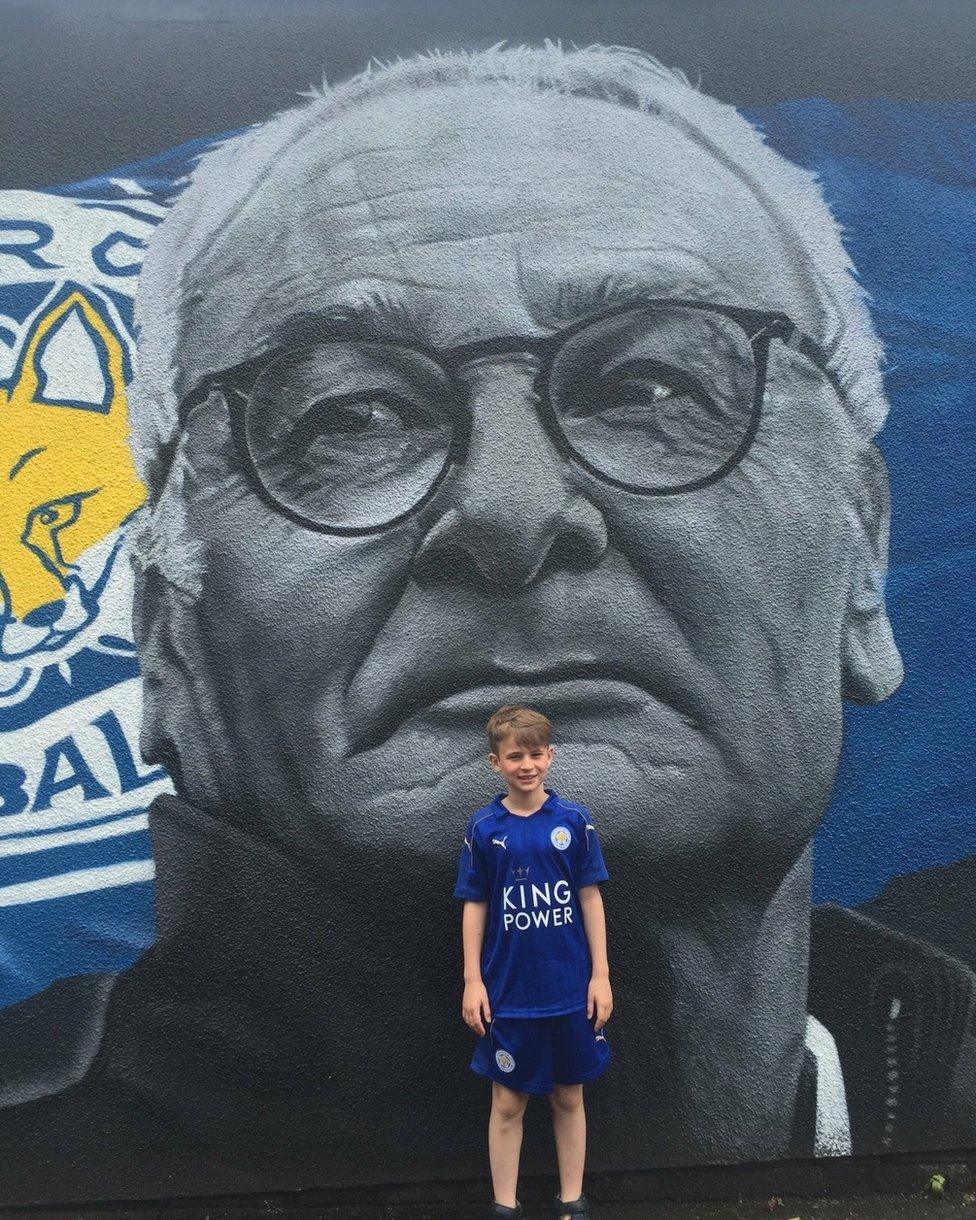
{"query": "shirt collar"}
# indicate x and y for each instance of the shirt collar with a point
(547, 805)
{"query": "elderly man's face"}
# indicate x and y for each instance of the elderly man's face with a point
(685, 646)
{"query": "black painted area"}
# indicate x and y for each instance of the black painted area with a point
(90, 84)
(935, 904)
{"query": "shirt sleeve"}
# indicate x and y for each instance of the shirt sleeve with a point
(590, 867)
(472, 881)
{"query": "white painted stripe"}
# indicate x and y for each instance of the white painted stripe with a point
(130, 186)
(88, 834)
(94, 811)
(832, 1136)
(84, 881)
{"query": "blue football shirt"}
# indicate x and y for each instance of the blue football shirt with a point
(535, 960)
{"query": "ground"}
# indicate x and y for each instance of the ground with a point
(955, 1205)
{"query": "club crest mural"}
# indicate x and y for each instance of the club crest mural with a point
(525, 375)
(73, 793)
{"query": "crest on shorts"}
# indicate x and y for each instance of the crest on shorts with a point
(504, 1060)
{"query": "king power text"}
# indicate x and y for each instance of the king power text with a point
(541, 906)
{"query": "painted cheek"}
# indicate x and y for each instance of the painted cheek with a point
(317, 597)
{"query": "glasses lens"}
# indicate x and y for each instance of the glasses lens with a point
(658, 398)
(349, 435)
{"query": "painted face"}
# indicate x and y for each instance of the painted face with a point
(686, 646)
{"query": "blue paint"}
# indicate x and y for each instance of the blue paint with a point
(90, 672)
(101, 259)
(900, 177)
(39, 234)
(97, 343)
(81, 934)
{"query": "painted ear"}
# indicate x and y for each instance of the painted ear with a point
(871, 666)
(72, 357)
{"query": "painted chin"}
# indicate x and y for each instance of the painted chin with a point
(666, 814)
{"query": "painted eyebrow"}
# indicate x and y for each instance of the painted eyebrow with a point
(22, 461)
(576, 299)
(378, 315)
(373, 317)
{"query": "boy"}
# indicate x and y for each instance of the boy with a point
(528, 874)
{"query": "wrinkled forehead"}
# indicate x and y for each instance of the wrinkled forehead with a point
(477, 212)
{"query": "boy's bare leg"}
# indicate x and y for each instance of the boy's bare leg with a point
(505, 1140)
(569, 1128)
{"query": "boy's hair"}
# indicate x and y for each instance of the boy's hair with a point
(530, 727)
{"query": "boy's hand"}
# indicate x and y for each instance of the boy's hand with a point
(599, 1001)
(474, 1003)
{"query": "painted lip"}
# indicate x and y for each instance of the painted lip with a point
(580, 691)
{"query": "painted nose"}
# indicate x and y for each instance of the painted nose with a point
(514, 515)
(44, 615)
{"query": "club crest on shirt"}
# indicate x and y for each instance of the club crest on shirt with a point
(504, 1060)
(561, 837)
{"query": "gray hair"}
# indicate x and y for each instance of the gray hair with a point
(227, 177)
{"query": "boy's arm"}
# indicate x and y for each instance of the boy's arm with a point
(473, 920)
(475, 1005)
(599, 997)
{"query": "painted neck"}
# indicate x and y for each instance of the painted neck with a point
(722, 990)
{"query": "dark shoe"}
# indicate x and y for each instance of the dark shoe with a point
(572, 1207)
(499, 1209)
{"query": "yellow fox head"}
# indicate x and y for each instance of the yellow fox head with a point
(67, 479)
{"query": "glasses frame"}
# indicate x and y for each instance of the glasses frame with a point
(761, 327)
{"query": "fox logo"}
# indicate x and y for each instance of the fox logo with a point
(67, 482)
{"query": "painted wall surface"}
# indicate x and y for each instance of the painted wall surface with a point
(559, 395)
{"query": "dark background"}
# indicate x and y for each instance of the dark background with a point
(87, 85)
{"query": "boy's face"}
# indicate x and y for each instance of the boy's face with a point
(523, 765)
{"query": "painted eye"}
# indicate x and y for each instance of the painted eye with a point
(349, 436)
(58, 513)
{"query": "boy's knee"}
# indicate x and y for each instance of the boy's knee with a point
(566, 1097)
(507, 1103)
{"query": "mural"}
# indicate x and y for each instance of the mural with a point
(73, 791)
(525, 375)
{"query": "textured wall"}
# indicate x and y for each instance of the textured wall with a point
(370, 497)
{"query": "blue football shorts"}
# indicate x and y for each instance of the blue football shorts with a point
(529, 1054)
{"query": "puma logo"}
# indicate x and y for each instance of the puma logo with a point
(500, 842)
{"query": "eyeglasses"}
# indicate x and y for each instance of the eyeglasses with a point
(657, 398)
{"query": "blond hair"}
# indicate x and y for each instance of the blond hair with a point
(529, 727)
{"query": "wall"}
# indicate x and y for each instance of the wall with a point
(243, 1021)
